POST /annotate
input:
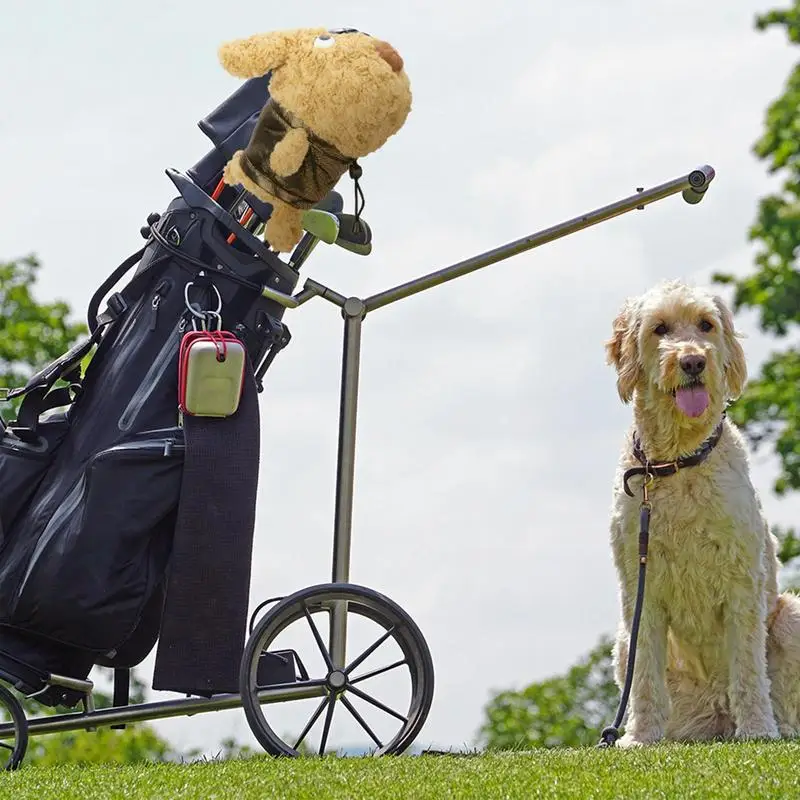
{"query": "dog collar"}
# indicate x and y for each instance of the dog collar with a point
(670, 467)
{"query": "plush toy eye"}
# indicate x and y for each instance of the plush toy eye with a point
(324, 40)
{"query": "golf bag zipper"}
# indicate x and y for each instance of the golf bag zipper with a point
(160, 291)
(166, 356)
(167, 444)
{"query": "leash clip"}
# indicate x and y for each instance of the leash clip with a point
(648, 480)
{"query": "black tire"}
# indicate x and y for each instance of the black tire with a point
(19, 744)
(368, 604)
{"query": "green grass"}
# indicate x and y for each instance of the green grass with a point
(745, 771)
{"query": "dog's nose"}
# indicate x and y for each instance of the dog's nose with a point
(693, 365)
(389, 55)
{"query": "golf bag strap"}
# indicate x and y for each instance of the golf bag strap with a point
(122, 691)
(203, 626)
(93, 317)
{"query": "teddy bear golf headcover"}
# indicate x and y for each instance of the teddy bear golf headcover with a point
(334, 97)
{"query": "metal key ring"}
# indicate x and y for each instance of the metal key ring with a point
(191, 306)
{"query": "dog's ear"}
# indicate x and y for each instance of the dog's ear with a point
(258, 54)
(622, 351)
(735, 362)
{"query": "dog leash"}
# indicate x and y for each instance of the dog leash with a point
(610, 734)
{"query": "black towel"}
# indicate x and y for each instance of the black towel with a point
(205, 612)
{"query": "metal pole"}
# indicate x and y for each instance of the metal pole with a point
(353, 313)
(165, 709)
(692, 185)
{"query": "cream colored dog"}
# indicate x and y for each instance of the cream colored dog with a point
(719, 647)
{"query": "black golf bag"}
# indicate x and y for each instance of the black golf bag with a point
(123, 522)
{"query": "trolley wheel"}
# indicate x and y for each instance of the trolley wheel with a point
(15, 747)
(345, 685)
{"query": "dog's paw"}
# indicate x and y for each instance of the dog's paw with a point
(628, 740)
(788, 731)
(766, 729)
(639, 738)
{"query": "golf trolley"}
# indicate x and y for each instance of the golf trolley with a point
(330, 616)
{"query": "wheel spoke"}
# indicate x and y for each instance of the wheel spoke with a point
(310, 723)
(7, 746)
(369, 651)
(378, 671)
(318, 638)
(359, 719)
(327, 726)
(377, 703)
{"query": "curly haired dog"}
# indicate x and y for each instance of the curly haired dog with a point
(719, 647)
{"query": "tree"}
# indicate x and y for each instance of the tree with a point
(769, 410)
(32, 334)
(567, 710)
(136, 743)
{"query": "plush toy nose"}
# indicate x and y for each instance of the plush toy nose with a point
(389, 55)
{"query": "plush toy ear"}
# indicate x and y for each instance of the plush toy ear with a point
(258, 54)
(622, 351)
(735, 362)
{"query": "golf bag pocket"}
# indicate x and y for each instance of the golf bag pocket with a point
(22, 467)
(105, 547)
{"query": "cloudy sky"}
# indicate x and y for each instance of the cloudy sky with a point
(489, 425)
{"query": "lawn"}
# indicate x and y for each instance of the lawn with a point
(750, 770)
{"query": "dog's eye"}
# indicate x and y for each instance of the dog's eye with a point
(660, 330)
(706, 326)
(324, 40)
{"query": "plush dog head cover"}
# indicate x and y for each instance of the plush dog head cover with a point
(348, 88)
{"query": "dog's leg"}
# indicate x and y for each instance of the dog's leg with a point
(748, 686)
(783, 659)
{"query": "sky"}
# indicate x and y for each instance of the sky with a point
(489, 425)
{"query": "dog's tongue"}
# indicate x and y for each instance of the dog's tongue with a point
(692, 400)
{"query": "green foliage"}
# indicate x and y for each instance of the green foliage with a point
(137, 743)
(564, 711)
(769, 410)
(32, 334)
